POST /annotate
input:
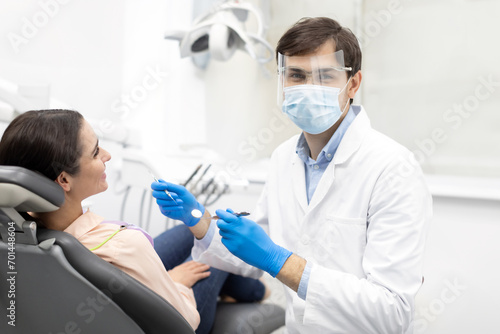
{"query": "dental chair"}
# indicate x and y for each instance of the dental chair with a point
(50, 283)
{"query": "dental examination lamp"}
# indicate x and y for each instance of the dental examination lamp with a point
(220, 32)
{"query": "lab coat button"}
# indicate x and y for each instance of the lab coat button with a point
(305, 239)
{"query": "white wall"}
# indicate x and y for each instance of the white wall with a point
(74, 46)
(421, 59)
(460, 294)
(173, 111)
(425, 70)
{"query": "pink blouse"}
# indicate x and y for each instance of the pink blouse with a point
(131, 251)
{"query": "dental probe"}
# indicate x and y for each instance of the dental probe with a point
(166, 191)
(237, 214)
(198, 214)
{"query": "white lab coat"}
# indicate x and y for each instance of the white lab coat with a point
(363, 231)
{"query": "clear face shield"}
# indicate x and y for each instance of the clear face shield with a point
(309, 89)
(326, 70)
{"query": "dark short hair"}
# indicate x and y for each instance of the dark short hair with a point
(308, 34)
(46, 141)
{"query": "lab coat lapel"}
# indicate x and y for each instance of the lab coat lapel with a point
(324, 185)
(349, 144)
(299, 181)
(352, 138)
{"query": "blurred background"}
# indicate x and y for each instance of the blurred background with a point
(431, 81)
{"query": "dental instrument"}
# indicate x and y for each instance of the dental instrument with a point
(237, 214)
(166, 191)
(192, 175)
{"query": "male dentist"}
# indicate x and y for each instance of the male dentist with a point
(346, 208)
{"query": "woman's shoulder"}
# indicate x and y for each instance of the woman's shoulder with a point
(132, 234)
(115, 239)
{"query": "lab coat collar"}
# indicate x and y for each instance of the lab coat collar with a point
(348, 146)
(350, 143)
(353, 137)
(328, 152)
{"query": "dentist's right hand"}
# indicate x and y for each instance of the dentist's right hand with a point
(184, 203)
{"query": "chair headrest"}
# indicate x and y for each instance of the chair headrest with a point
(25, 190)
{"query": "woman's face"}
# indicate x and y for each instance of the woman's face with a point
(91, 179)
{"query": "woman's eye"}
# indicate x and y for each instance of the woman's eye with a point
(96, 152)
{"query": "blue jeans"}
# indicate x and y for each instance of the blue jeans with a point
(174, 247)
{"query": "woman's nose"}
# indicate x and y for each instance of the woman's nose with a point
(106, 156)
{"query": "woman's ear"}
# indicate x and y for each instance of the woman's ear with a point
(63, 181)
(355, 84)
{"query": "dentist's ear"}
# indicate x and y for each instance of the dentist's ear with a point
(63, 181)
(354, 84)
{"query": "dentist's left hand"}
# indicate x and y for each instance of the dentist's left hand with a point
(248, 241)
(181, 210)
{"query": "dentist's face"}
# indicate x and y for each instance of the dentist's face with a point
(319, 68)
(91, 179)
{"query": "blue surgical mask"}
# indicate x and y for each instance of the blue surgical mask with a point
(313, 108)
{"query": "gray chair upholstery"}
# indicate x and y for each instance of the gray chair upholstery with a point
(251, 318)
(62, 287)
(66, 286)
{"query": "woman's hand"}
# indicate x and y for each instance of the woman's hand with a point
(189, 273)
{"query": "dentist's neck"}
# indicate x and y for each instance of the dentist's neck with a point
(317, 142)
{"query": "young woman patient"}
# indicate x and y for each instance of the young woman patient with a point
(61, 145)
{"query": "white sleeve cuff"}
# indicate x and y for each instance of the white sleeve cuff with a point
(204, 242)
(304, 281)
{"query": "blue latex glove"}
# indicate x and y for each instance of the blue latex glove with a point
(248, 241)
(186, 202)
